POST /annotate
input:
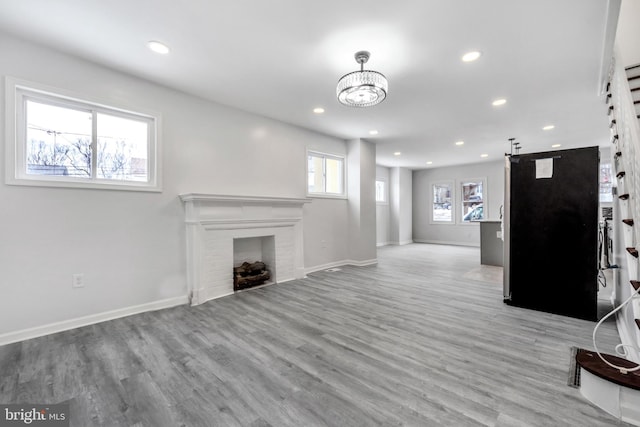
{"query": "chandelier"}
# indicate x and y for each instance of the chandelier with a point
(363, 88)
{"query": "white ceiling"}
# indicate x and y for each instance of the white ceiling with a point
(282, 58)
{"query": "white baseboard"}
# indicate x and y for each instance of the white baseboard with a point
(341, 263)
(444, 242)
(404, 242)
(51, 328)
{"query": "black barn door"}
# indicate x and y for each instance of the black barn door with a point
(553, 232)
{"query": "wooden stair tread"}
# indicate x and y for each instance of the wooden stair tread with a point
(628, 221)
(635, 284)
(637, 322)
(590, 361)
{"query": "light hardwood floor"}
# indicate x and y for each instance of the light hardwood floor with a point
(421, 339)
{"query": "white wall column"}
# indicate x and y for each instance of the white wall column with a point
(401, 205)
(361, 178)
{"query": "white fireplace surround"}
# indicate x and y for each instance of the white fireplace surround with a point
(212, 223)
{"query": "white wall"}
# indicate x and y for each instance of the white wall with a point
(401, 202)
(628, 33)
(467, 234)
(362, 201)
(131, 245)
(383, 211)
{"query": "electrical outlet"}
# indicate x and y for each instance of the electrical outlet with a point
(77, 280)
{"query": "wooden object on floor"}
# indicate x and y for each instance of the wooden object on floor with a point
(590, 361)
(249, 275)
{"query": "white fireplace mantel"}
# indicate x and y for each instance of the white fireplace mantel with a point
(213, 221)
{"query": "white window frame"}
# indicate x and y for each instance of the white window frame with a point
(322, 194)
(485, 209)
(385, 192)
(17, 92)
(452, 185)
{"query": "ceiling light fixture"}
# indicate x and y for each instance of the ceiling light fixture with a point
(429, 162)
(460, 143)
(364, 88)
(318, 110)
(158, 47)
(548, 127)
(498, 102)
(556, 145)
(397, 153)
(373, 132)
(484, 155)
(471, 56)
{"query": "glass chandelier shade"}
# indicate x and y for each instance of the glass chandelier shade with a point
(363, 88)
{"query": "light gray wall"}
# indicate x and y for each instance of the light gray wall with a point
(628, 33)
(130, 246)
(467, 234)
(401, 201)
(383, 211)
(362, 201)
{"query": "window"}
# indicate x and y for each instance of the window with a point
(606, 184)
(442, 198)
(325, 175)
(381, 191)
(62, 141)
(472, 200)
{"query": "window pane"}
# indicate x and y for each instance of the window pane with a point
(122, 148)
(58, 141)
(442, 203)
(606, 185)
(333, 176)
(380, 191)
(472, 201)
(314, 178)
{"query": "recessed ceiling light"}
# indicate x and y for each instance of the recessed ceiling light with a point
(158, 47)
(484, 155)
(397, 153)
(548, 127)
(460, 143)
(498, 102)
(471, 56)
(373, 132)
(556, 145)
(318, 110)
(429, 163)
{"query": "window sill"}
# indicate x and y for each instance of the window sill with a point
(93, 185)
